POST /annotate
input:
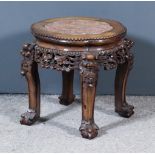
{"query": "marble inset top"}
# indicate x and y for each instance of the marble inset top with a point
(78, 30)
(78, 27)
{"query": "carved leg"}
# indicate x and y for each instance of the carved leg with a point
(67, 96)
(89, 75)
(30, 70)
(121, 106)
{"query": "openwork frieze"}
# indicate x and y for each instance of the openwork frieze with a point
(118, 55)
(66, 61)
(56, 59)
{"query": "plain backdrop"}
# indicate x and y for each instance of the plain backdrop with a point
(17, 17)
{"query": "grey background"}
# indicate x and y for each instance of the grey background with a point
(15, 21)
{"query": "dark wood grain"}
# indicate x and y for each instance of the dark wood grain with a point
(85, 52)
(89, 75)
(122, 72)
(30, 70)
(67, 96)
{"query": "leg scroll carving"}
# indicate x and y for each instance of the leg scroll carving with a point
(122, 72)
(89, 74)
(29, 69)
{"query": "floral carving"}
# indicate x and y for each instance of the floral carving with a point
(89, 70)
(118, 55)
(54, 59)
(28, 55)
(88, 63)
(66, 61)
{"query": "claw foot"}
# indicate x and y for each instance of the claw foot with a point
(89, 129)
(29, 117)
(66, 102)
(126, 111)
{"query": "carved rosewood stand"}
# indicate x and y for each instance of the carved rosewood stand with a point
(80, 43)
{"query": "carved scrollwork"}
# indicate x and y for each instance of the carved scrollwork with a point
(55, 59)
(28, 55)
(118, 55)
(66, 61)
(88, 71)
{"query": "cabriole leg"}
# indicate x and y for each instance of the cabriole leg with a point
(30, 70)
(122, 72)
(89, 74)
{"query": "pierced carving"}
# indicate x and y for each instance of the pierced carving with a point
(118, 55)
(66, 61)
(56, 59)
(88, 62)
(28, 55)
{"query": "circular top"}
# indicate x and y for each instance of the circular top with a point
(78, 30)
(71, 26)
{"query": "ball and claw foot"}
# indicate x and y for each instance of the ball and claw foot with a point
(88, 130)
(126, 111)
(29, 117)
(66, 101)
